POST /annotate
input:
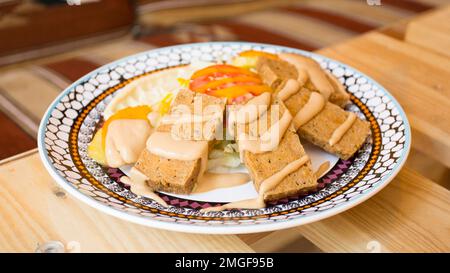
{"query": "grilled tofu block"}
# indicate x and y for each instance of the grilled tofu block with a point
(320, 128)
(276, 73)
(196, 104)
(263, 165)
(179, 176)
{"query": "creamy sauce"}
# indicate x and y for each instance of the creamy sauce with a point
(315, 104)
(256, 203)
(252, 110)
(164, 145)
(273, 181)
(137, 182)
(342, 129)
(302, 71)
(248, 113)
(339, 87)
(322, 169)
(125, 140)
(266, 185)
(211, 181)
(316, 75)
(268, 141)
(290, 88)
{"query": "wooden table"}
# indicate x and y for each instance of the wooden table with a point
(411, 214)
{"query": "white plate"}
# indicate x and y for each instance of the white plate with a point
(69, 123)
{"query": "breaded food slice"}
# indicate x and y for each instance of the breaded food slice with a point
(197, 104)
(339, 97)
(276, 73)
(177, 176)
(321, 127)
(263, 165)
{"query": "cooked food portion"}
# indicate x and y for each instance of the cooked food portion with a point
(276, 72)
(304, 70)
(194, 116)
(248, 59)
(327, 125)
(171, 125)
(319, 121)
(226, 81)
(167, 174)
(339, 97)
(264, 165)
(272, 152)
(174, 159)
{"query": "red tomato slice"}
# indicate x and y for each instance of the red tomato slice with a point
(220, 82)
(221, 68)
(227, 81)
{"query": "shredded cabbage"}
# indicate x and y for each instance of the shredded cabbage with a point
(224, 154)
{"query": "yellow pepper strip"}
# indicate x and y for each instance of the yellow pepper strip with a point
(256, 53)
(183, 82)
(164, 105)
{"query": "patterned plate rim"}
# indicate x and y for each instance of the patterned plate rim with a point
(222, 229)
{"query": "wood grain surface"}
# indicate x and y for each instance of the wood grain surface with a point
(431, 31)
(34, 211)
(419, 80)
(14, 140)
(412, 214)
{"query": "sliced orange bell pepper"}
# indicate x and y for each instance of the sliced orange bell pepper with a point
(221, 69)
(224, 81)
(230, 92)
(240, 90)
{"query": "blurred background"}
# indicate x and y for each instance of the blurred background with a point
(45, 45)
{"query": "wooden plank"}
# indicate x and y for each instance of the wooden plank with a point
(431, 31)
(297, 27)
(360, 10)
(429, 168)
(412, 214)
(286, 240)
(72, 69)
(109, 52)
(156, 14)
(28, 91)
(13, 140)
(418, 79)
(396, 30)
(34, 211)
(18, 156)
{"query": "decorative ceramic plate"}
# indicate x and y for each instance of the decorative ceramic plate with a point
(69, 124)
